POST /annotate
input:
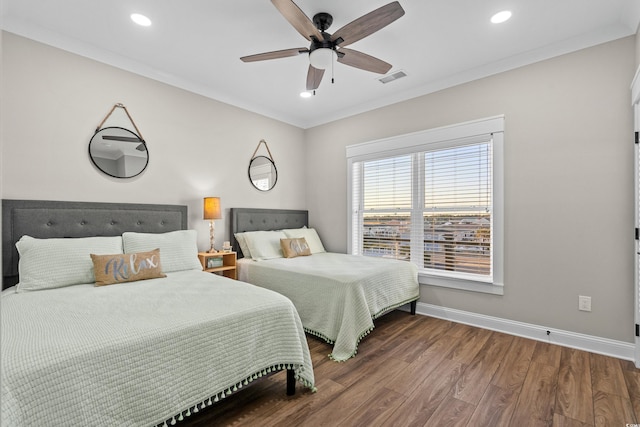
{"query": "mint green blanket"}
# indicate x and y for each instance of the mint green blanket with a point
(337, 295)
(141, 353)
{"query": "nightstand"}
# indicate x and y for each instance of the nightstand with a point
(223, 263)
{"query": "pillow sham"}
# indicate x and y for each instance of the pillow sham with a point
(292, 248)
(178, 249)
(121, 268)
(264, 244)
(243, 245)
(58, 262)
(310, 235)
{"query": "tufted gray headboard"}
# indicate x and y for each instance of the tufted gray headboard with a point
(249, 219)
(49, 219)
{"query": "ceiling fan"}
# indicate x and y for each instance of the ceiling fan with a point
(325, 47)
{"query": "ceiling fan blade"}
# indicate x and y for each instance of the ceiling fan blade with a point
(368, 24)
(275, 54)
(363, 61)
(314, 77)
(298, 19)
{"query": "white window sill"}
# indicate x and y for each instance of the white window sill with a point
(463, 284)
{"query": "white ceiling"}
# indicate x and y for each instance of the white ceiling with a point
(196, 45)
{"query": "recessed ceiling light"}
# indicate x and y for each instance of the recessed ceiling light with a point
(140, 19)
(501, 17)
(305, 94)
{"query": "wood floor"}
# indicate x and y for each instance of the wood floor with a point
(422, 371)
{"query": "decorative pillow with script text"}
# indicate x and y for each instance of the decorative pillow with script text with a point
(292, 248)
(120, 268)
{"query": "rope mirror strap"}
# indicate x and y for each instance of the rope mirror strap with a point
(119, 105)
(262, 141)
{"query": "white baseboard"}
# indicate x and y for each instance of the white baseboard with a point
(613, 348)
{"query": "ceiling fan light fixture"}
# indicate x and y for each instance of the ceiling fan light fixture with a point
(305, 94)
(322, 58)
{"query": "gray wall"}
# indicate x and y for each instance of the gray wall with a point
(568, 185)
(52, 102)
(638, 48)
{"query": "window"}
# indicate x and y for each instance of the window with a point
(433, 198)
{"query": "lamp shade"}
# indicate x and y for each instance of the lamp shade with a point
(212, 208)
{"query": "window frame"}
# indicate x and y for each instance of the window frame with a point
(491, 129)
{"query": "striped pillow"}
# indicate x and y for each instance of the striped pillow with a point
(54, 263)
(178, 249)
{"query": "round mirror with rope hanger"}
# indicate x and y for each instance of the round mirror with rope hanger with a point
(117, 151)
(262, 171)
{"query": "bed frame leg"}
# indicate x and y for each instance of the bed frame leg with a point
(291, 382)
(413, 307)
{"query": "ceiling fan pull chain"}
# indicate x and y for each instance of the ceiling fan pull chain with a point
(332, 62)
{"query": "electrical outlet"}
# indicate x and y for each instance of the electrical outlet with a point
(584, 303)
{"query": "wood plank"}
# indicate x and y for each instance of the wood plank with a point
(574, 398)
(612, 410)
(546, 353)
(375, 411)
(373, 346)
(513, 370)
(470, 342)
(562, 421)
(421, 368)
(371, 382)
(418, 408)
(476, 377)
(459, 330)
(627, 365)
(632, 379)
(496, 407)
(538, 395)
(417, 338)
(392, 324)
(451, 413)
(302, 405)
(606, 374)
(341, 372)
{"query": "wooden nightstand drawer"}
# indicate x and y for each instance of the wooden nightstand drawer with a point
(223, 263)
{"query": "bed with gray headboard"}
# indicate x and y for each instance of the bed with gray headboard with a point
(337, 295)
(55, 219)
(251, 219)
(147, 352)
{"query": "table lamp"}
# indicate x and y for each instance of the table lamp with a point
(212, 212)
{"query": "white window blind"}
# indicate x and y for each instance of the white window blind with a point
(457, 209)
(431, 200)
(387, 205)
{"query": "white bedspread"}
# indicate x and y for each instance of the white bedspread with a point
(143, 352)
(337, 295)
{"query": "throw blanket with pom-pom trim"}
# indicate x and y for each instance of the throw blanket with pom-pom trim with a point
(337, 295)
(141, 353)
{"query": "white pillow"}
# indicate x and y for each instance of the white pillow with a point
(310, 235)
(54, 263)
(264, 244)
(243, 245)
(178, 249)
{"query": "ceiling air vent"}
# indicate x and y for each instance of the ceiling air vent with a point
(391, 77)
